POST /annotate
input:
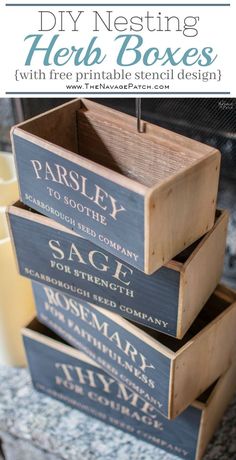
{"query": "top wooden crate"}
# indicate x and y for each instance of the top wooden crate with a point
(144, 197)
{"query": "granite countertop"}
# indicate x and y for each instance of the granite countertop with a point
(34, 426)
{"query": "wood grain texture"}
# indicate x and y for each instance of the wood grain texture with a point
(177, 371)
(92, 336)
(57, 126)
(215, 407)
(121, 148)
(110, 127)
(180, 209)
(202, 360)
(201, 273)
(85, 271)
(75, 208)
(170, 181)
(152, 300)
(94, 392)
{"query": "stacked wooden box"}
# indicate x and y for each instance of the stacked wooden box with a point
(125, 252)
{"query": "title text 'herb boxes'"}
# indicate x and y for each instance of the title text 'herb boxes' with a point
(143, 197)
(168, 301)
(166, 372)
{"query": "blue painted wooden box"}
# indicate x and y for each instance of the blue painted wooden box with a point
(164, 371)
(70, 376)
(168, 301)
(142, 197)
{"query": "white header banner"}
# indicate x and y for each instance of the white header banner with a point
(98, 49)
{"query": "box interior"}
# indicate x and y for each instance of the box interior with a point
(203, 398)
(110, 138)
(213, 308)
(183, 256)
(36, 326)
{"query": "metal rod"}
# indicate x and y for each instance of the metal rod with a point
(138, 109)
(77, 129)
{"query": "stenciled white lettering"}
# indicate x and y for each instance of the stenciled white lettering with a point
(72, 179)
(95, 258)
(105, 328)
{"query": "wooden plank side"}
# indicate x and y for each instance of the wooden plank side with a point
(97, 164)
(120, 119)
(111, 215)
(57, 126)
(76, 266)
(128, 325)
(191, 368)
(125, 151)
(160, 135)
(207, 356)
(62, 152)
(81, 383)
(39, 336)
(168, 152)
(31, 124)
(201, 273)
(104, 338)
(215, 408)
(180, 211)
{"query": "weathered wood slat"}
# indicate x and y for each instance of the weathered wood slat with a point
(70, 376)
(152, 193)
(168, 300)
(164, 371)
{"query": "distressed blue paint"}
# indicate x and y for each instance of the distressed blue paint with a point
(177, 436)
(155, 296)
(127, 230)
(65, 317)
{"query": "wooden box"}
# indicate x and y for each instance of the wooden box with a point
(142, 197)
(168, 301)
(70, 376)
(164, 371)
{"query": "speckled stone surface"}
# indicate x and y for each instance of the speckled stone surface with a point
(49, 430)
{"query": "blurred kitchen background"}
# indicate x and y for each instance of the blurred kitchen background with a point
(212, 121)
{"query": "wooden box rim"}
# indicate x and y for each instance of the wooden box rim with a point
(156, 133)
(71, 351)
(18, 207)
